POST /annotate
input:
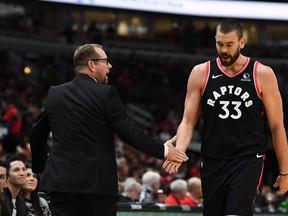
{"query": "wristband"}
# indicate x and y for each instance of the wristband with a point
(283, 174)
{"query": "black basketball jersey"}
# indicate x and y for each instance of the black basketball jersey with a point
(233, 112)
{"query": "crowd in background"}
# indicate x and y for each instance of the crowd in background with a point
(156, 82)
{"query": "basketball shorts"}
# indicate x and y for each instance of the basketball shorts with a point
(229, 186)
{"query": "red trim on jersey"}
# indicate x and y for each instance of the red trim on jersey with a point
(255, 80)
(206, 78)
(261, 174)
(256, 84)
(263, 112)
(229, 75)
(260, 178)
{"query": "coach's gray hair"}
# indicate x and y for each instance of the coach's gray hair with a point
(85, 53)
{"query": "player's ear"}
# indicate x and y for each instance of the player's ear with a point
(242, 42)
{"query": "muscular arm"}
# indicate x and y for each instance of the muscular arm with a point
(273, 107)
(192, 107)
(191, 112)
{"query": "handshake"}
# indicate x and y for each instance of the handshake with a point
(174, 158)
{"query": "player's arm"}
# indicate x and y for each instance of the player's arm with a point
(273, 107)
(192, 106)
(191, 113)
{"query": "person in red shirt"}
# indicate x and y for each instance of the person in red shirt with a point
(194, 195)
(14, 123)
(178, 192)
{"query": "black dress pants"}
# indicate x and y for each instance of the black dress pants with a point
(76, 204)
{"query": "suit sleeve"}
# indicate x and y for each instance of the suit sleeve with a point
(128, 130)
(38, 141)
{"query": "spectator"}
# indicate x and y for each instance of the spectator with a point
(194, 195)
(37, 206)
(178, 191)
(14, 123)
(122, 168)
(3, 178)
(151, 184)
(132, 191)
(16, 179)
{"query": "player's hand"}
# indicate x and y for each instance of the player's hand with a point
(174, 154)
(282, 183)
(171, 166)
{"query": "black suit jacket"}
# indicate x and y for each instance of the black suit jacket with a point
(22, 210)
(4, 211)
(83, 116)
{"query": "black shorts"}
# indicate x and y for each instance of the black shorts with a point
(229, 186)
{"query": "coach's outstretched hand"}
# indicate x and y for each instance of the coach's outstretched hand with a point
(174, 154)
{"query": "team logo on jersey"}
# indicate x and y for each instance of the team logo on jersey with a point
(246, 77)
(230, 108)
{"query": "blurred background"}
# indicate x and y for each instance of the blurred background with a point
(152, 46)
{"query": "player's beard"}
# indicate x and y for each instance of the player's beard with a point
(227, 56)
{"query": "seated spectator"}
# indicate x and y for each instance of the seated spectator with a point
(122, 168)
(36, 205)
(3, 178)
(150, 186)
(13, 120)
(16, 179)
(132, 191)
(194, 195)
(178, 191)
(260, 198)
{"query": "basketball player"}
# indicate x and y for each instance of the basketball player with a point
(235, 93)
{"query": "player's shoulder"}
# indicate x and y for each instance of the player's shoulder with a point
(265, 76)
(200, 69)
(202, 66)
(264, 71)
(198, 74)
